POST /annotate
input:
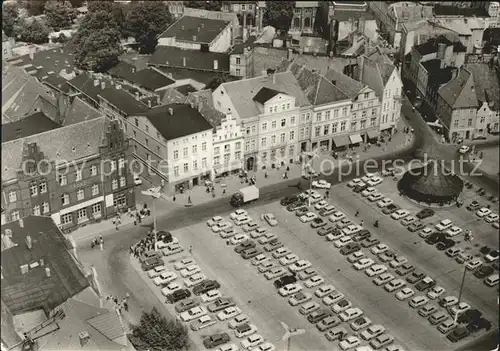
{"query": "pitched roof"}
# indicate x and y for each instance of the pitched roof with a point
(58, 83)
(185, 120)
(204, 77)
(185, 89)
(460, 92)
(265, 94)
(187, 28)
(117, 97)
(203, 98)
(412, 13)
(346, 84)
(241, 92)
(33, 290)
(486, 84)
(147, 78)
(431, 45)
(375, 72)
(68, 143)
(169, 56)
(80, 111)
(31, 125)
(171, 96)
(446, 10)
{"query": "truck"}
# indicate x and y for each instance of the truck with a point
(245, 195)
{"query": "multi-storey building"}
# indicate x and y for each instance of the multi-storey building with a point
(228, 143)
(245, 10)
(304, 15)
(75, 174)
(268, 109)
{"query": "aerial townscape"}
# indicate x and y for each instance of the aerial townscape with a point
(250, 175)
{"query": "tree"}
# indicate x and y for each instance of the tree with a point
(145, 22)
(279, 14)
(32, 32)
(35, 8)
(204, 5)
(321, 21)
(76, 3)
(10, 17)
(156, 333)
(59, 14)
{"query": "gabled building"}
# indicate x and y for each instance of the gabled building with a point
(148, 79)
(30, 125)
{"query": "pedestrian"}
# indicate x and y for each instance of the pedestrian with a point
(224, 191)
(288, 168)
(115, 300)
(101, 243)
(125, 306)
(92, 244)
(190, 249)
(189, 199)
(227, 242)
(361, 223)
(356, 214)
(266, 175)
(131, 249)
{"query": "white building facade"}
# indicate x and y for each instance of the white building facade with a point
(328, 121)
(228, 143)
(391, 102)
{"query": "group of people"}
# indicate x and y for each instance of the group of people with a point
(144, 245)
(95, 242)
(119, 304)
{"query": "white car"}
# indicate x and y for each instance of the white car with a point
(355, 256)
(384, 202)
(448, 301)
(211, 295)
(491, 218)
(242, 220)
(214, 220)
(404, 294)
(309, 216)
(426, 232)
(350, 314)
(193, 313)
(352, 229)
(343, 241)
(259, 259)
(383, 279)
(170, 288)
(228, 313)
(271, 220)
(281, 252)
(374, 181)
(226, 234)
(363, 263)
(238, 320)
(464, 149)
(343, 223)
(375, 197)
(459, 308)
(274, 273)
(165, 278)
(334, 236)
(447, 326)
(418, 301)
(408, 220)
(299, 298)
(299, 266)
(258, 232)
(321, 184)
(454, 231)
(320, 205)
(324, 290)
(190, 270)
(238, 239)
(266, 238)
(237, 213)
(332, 298)
(483, 212)
(245, 330)
(435, 292)
(379, 249)
(194, 279)
(443, 225)
(290, 289)
(315, 198)
(360, 323)
(252, 341)
(368, 191)
(342, 305)
(376, 270)
(355, 182)
(394, 284)
(172, 249)
(372, 331)
(289, 259)
(398, 261)
(368, 176)
(327, 210)
(400, 214)
(349, 343)
(249, 227)
(474, 264)
(156, 272)
(202, 322)
(336, 216)
(222, 225)
(137, 181)
(266, 266)
(267, 346)
(314, 281)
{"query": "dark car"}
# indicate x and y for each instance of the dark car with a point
(273, 245)
(445, 244)
(221, 303)
(469, 316)
(435, 238)
(289, 200)
(425, 213)
(151, 263)
(369, 242)
(326, 230)
(164, 236)
(294, 206)
(425, 284)
(415, 277)
(318, 222)
(483, 271)
(415, 226)
(250, 253)
(478, 324)
(178, 295)
(285, 280)
(405, 269)
(390, 209)
(350, 248)
(362, 235)
(216, 340)
(358, 189)
(492, 256)
(458, 334)
(319, 315)
(205, 286)
(474, 205)
(186, 305)
(245, 246)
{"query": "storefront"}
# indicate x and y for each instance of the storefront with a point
(355, 139)
(372, 136)
(340, 142)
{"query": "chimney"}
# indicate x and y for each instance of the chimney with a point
(360, 68)
(216, 65)
(199, 29)
(137, 95)
(182, 27)
(32, 54)
(47, 272)
(274, 78)
(133, 69)
(157, 99)
(170, 111)
(84, 338)
(103, 85)
(29, 243)
(194, 37)
(21, 223)
(184, 61)
(149, 103)
(96, 82)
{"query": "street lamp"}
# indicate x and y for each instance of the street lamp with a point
(155, 194)
(311, 172)
(469, 239)
(289, 332)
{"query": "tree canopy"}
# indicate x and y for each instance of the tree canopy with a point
(145, 21)
(204, 5)
(278, 14)
(156, 333)
(10, 17)
(59, 14)
(34, 8)
(34, 31)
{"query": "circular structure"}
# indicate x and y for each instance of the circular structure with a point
(431, 184)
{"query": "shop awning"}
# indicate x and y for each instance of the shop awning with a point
(355, 139)
(341, 140)
(373, 134)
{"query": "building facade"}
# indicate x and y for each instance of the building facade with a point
(228, 143)
(390, 113)
(304, 15)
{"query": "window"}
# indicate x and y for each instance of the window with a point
(95, 189)
(121, 162)
(147, 142)
(308, 117)
(62, 179)
(367, 95)
(45, 207)
(263, 142)
(216, 160)
(247, 145)
(43, 187)
(283, 122)
(482, 119)
(271, 109)
(195, 165)
(327, 115)
(273, 124)
(264, 126)
(81, 215)
(326, 129)
(342, 126)
(288, 106)
(374, 111)
(176, 154)
(238, 72)
(123, 181)
(204, 162)
(344, 111)
(370, 103)
(113, 165)
(238, 61)
(185, 152)
(33, 189)
(36, 210)
(217, 150)
(282, 138)
(12, 196)
(93, 170)
(363, 114)
(176, 171)
(120, 201)
(147, 128)
(373, 121)
(318, 117)
(204, 146)
(291, 150)
(334, 127)
(64, 199)
(317, 131)
(227, 148)
(273, 139)
(195, 149)
(392, 117)
(253, 144)
(237, 155)
(66, 218)
(362, 124)
(114, 184)
(80, 195)
(469, 122)
(335, 113)
(186, 167)
(283, 107)
(353, 125)
(237, 145)
(264, 155)
(292, 120)
(354, 115)
(254, 129)
(135, 134)
(96, 209)
(136, 122)
(301, 133)
(248, 130)
(226, 158)
(292, 135)
(302, 118)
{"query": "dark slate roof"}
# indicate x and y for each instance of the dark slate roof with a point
(460, 92)
(185, 89)
(58, 83)
(185, 120)
(30, 125)
(238, 49)
(443, 10)
(117, 97)
(147, 78)
(437, 75)
(203, 98)
(34, 290)
(486, 84)
(205, 30)
(80, 111)
(344, 83)
(169, 56)
(204, 77)
(459, 47)
(265, 94)
(431, 45)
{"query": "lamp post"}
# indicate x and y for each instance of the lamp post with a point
(469, 239)
(289, 332)
(311, 172)
(155, 194)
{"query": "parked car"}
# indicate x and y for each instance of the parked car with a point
(299, 298)
(405, 269)
(271, 219)
(425, 284)
(425, 213)
(178, 295)
(289, 200)
(473, 206)
(360, 323)
(404, 294)
(186, 305)
(390, 209)
(238, 320)
(458, 334)
(221, 303)
(215, 340)
(435, 292)
(383, 279)
(205, 286)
